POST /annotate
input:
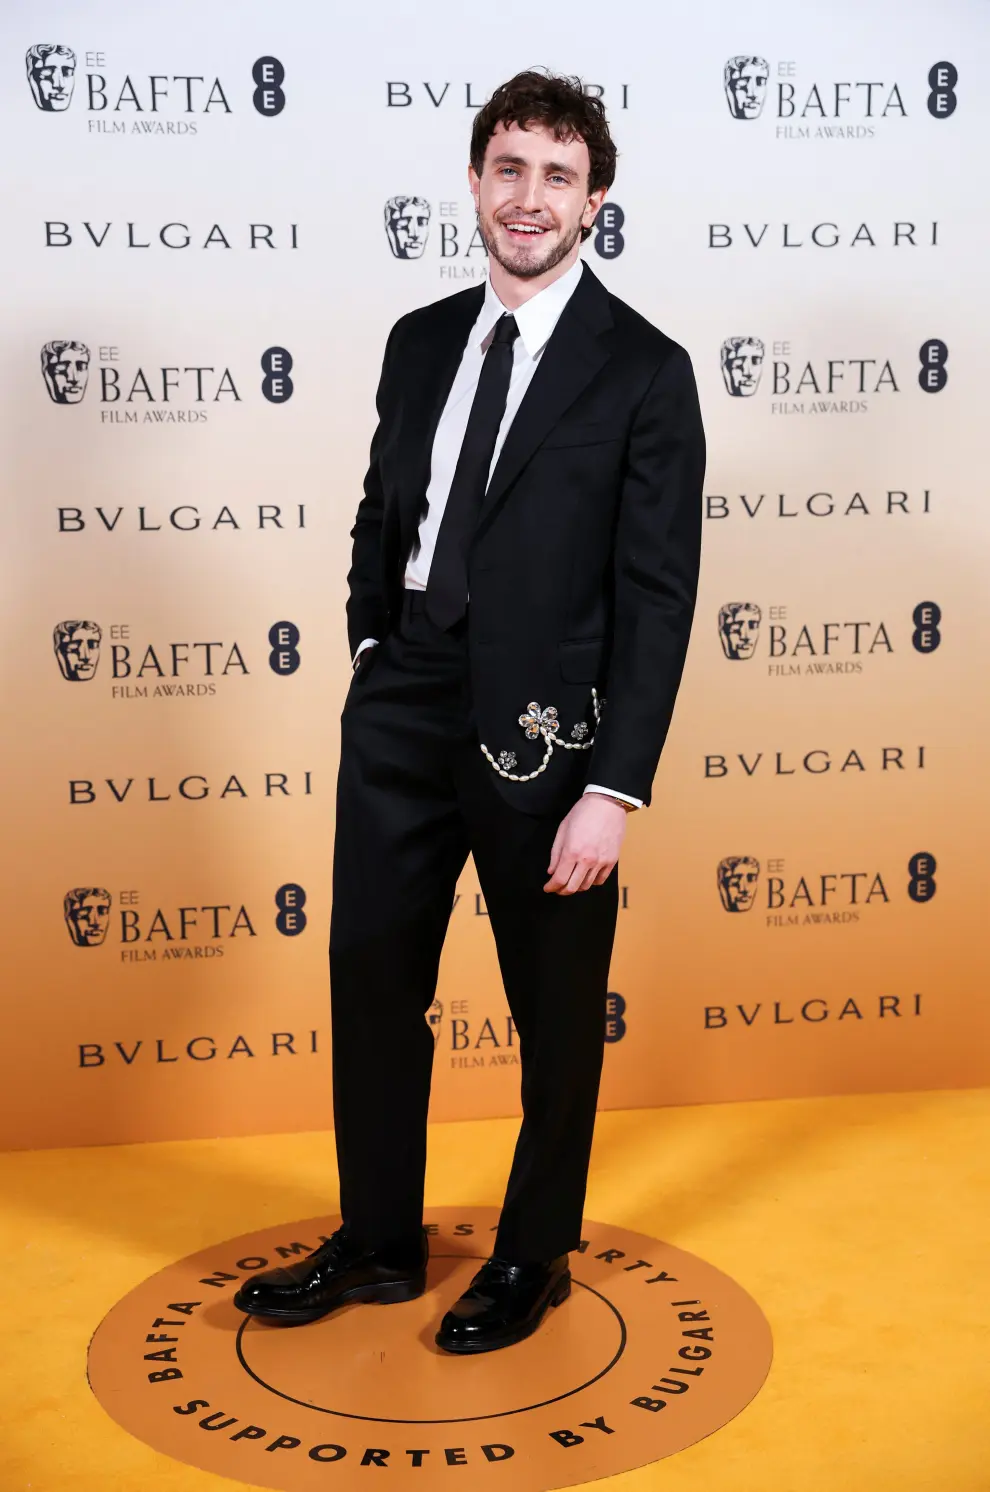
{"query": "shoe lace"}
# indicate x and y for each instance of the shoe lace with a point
(496, 1271)
(333, 1251)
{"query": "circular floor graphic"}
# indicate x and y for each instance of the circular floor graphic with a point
(653, 1351)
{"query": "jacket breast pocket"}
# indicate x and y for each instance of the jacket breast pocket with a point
(581, 659)
(583, 433)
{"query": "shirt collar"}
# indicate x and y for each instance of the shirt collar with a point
(536, 318)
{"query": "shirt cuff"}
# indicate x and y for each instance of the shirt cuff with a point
(611, 793)
(368, 642)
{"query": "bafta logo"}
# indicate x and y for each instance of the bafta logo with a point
(65, 369)
(51, 70)
(77, 648)
(87, 915)
(742, 364)
(745, 80)
(435, 1017)
(739, 628)
(738, 876)
(407, 226)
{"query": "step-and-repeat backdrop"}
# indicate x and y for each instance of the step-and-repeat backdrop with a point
(213, 215)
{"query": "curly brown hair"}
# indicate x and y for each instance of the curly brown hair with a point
(560, 104)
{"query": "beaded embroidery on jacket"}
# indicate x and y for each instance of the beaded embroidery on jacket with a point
(537, 722)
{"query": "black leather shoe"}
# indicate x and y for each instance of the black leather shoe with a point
(339, 1271)
(503, 1304)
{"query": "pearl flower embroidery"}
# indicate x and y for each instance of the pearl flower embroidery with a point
(537, 722)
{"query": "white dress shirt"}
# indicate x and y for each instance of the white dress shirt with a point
(536, 319)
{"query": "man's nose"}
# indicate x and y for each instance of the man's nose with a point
(532, 194)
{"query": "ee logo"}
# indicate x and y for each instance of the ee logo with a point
(269, 75)
(942, 80)
(934, 355)
(921, 869)
(615, 1009)
(926, 617)
(276, 364)
(290, 900)
(609, 242)
(284, 656)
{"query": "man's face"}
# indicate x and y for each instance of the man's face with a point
(532, 199)
(410, 225)
(741, 368)
(737, 884)
(747, 90)
(88, 919)
(78, 654)
(740, 632)
(52, 78)
(66, 375)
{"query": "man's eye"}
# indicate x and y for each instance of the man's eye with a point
(508, 171)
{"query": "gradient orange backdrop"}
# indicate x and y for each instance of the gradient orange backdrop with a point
(709, 1004)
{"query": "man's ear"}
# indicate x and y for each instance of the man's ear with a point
(474, 182)
(592, 207)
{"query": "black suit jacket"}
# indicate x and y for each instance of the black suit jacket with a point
(583, 570)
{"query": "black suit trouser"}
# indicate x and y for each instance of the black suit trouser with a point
(414, 797)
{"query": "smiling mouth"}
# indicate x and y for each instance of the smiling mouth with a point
(525, 230)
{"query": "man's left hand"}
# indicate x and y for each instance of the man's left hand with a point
(586, 848)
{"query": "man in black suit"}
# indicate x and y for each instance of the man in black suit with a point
(525, 566)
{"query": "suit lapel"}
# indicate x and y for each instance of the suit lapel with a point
(574, 354)
(426, 385)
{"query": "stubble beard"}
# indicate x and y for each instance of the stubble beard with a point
(526, 268)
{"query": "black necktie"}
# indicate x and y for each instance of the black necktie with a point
(446, 586)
